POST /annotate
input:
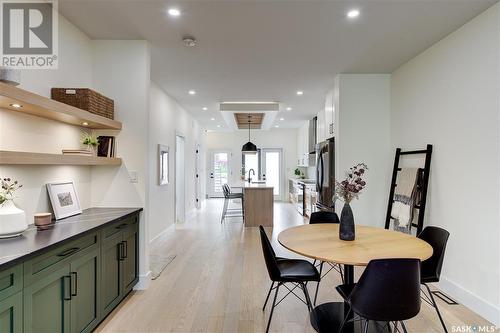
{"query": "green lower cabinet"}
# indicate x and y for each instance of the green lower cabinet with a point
(130, 262)
(47, 303)
(84, 300)
(111, 273)
(11, 314)
(73, 287)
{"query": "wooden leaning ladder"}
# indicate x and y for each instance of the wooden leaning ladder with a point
(422, 185)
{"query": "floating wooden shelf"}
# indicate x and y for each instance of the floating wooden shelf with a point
(44, 107)
(26, 158)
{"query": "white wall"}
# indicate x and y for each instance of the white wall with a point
(121, 70)
(233, 141)
(118, 69)
(362, 134)
(449, 96)
(168, 118)
(28, 133)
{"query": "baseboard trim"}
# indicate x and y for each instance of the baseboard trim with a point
(163, 232)
(480, 306)
(144, 281)
(191, 213)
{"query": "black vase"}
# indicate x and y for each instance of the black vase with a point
(346, 229)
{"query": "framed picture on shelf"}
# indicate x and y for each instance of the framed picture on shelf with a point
(162, 164)
(64, 199)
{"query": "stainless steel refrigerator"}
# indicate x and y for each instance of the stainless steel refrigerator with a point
(325, 175)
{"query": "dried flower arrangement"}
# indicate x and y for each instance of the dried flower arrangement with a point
(8, 188)
(351, 187)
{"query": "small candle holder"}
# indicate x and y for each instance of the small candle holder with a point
(43, 221)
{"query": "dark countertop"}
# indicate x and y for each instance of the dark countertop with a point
(33, 241)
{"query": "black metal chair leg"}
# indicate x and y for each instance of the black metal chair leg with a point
(345, 320)
(267, 297)
(404, 327)
(317, 286)
(308, 299)
(224, 211)
(272, 308)
(436, 307)
(366, 326)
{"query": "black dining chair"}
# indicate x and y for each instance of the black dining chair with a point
(228, 196)
(387, 291)
(325, 217)
(296, 272)
(431, 268)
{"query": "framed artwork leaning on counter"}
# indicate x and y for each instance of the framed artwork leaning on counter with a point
(64, 199)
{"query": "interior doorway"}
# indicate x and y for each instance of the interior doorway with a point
(180, 179)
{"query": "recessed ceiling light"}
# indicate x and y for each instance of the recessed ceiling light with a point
(189, 41)
(300, 92)
(282, 119)
(15, 105)
(204, 108)
(276, 126)
(192, 92)
(212, 118)
(174, 12)
(85, 123)
(218, 126)
(353, 13)
(289, 109)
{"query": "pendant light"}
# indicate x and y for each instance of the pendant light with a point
(249, 147)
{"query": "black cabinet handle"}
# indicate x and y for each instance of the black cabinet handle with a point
(66, 298)
(75, 274)
(68, 252)
(119, 251)
(121, 226)
(125, 249)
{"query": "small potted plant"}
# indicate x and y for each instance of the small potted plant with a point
(348, 189)
(12, 219)
(90, 141)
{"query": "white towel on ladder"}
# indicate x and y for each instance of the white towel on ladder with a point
(404, 196)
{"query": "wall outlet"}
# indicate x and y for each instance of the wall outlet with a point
(134, 177)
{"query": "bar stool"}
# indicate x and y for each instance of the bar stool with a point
(228, 196)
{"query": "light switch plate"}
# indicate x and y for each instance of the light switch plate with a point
(133, 176)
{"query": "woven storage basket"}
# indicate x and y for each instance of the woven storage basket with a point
(85, 99)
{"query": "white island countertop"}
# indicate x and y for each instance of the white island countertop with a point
(247, 185)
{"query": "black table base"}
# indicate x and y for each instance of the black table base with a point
(328, 317)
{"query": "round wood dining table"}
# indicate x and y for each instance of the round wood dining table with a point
(321, 242)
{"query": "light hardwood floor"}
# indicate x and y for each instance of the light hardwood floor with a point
(218, 283)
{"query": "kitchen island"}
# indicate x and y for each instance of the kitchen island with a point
(258, 204)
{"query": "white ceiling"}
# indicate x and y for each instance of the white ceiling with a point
(267, 50)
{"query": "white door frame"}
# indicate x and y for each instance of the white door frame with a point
(197, 170)
(282, 169)
(177, 134)
(210, 188)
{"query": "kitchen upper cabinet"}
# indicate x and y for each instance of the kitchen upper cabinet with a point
(303, 158)
(326, 119)
(329, 114)
(321, 127)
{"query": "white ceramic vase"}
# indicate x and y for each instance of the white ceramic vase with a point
(12, 220)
